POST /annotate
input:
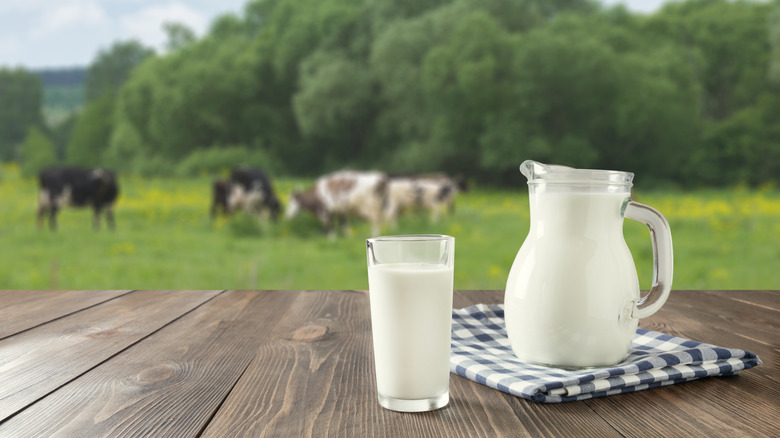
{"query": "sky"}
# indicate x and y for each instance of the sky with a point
(38, 34)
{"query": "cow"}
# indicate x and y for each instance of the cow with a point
(77, 187)
(248, 189)
(219, 200)
(337, 196)
(434, 192)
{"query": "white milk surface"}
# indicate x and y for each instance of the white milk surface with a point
(571, 287)
(411, 317)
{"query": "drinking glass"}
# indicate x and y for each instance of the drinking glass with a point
(410, 290)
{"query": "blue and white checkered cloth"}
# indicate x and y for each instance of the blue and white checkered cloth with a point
(481, 352)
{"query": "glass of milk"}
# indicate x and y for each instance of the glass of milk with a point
(410, 290)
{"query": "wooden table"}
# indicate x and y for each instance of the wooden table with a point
(299, 363)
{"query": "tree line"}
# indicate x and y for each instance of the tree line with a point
(689, 94)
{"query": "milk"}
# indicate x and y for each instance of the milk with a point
(411, 317)
(573, 284)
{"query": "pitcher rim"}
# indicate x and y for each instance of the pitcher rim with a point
(538, 173)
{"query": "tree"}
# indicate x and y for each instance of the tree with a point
(774, 41)
(60, 134)
(179, 35)
(36, 152)
(729, 49)
(445, 80)
(727, 42)
(111, 68)
(21, 97)
(91, 133)
(461, 86)
(589, 91)
(335, 105)
(465, 78)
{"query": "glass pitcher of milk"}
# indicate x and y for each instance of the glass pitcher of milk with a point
(572, 296)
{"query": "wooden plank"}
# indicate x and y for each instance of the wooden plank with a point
(38, 361)
(735, 405)
(719, 320)
(169, 384)
(729, 406)
(301, 364)
(23, 309)
(769, 299)
(294, 375)
(315, 377)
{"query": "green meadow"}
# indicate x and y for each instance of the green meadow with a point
(723, 239)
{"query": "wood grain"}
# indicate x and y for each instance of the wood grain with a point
(22, 309)
(295, 379)
(745, 405)
(169, 384)
(300, 363)
(711, 406)
(299, 387)
(35, 362)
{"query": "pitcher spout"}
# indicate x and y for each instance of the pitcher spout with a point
(534, 170)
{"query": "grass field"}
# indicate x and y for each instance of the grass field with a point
(723, 239)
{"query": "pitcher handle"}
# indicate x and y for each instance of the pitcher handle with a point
(663, 257)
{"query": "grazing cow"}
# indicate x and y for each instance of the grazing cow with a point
(433, 192)
(77, 187)
(219, 200)
(248, 189)
(341, 195)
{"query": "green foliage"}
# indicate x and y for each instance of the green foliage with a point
(20, 108)
(465, 79)
(111, 68)
(179, 35)
(125, 149)
(219, 160)
(334, 104)
(60, 133)
(61, 102)
(774, 41)
(37, 152)
(91, 133)
(176, 105)
(688, 94)
(730, 58)
(743, 148)
(730, 39)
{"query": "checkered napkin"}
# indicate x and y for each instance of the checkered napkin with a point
(481, 352)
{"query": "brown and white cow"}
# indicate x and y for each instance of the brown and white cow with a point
(433, 192)
(76, 187)
(341, 195)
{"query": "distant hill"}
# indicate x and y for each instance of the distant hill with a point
(63, 92)
(62, 77)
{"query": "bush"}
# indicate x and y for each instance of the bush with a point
(152, 166)
(37, 152)
(219, 160)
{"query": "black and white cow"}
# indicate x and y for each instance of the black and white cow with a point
(220, 191)
(77, 187)
(248, 189)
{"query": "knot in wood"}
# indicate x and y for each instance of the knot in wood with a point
(156, 373)
(309, 333)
